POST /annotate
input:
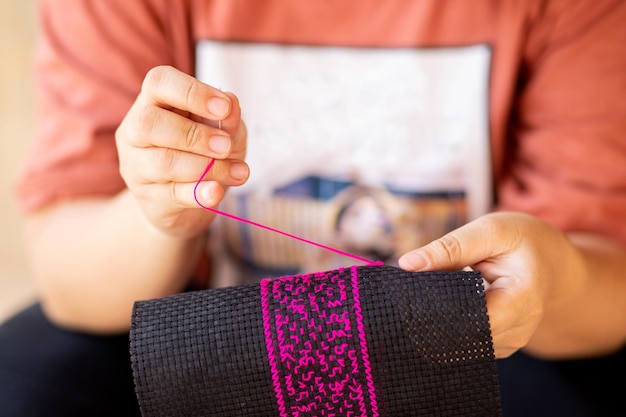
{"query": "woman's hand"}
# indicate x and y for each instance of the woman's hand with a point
(176, 125)
(528, 266)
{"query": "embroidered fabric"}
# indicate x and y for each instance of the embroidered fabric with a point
(359, 341)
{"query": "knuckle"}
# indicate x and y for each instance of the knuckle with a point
(154, 77)
(190, 92)
(145, 119)
(448, 248)
(164, 160)
(124, 173)
(174, 195)
(126, 168)
(217, 170)
(193, 135)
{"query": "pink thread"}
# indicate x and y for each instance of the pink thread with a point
(267, 329)
(358, 312)
(271, 229)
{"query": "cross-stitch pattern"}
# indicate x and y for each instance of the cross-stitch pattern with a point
(316, 345)
(360, 341)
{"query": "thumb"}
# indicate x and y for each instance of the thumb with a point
(465, 246)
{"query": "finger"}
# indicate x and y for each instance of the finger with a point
(162, 128)
(167, 86)
(162, 165)
(239, 140)
(467, 245)
(228, 172)
(501, 322)
(206, 193)
(231, 123)
(508, 342)
(513, 312)
(183, 194)
(500, 300)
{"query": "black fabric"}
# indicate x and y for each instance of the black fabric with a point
(359, 341)
(47, 371)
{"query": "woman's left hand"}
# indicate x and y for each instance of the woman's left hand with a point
(525, 262)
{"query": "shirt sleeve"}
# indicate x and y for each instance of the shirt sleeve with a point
(567, 161)
(90, 60)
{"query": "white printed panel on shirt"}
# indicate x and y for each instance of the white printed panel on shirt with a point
(413, 120)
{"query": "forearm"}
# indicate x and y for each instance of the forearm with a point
(592, 320)
(93, 258)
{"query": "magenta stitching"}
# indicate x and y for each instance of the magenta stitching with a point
(358, 312)
(271, 229)
(316, 345)
(270, 348)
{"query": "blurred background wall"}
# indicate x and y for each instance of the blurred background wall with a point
(17, 33)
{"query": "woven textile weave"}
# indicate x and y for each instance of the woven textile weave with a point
(360, 341)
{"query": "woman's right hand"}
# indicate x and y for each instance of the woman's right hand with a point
(175, 127)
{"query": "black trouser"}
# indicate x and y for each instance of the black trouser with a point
(46, 371)
(581, 388)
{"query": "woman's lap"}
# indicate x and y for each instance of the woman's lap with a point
(47, 371)
(581, 388)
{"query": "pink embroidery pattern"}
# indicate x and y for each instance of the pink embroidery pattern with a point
(316, 345)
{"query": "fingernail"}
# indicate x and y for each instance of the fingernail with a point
(219, 107)
(219, 144)
(239, 171)
(206, 192)
(412, 261)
